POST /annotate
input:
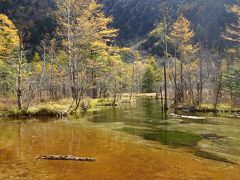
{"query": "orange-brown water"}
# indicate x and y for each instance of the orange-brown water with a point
(119, 156)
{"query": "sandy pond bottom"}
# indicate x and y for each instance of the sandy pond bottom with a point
(119, 155)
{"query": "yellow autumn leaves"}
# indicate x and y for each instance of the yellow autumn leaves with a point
(182, 34)
(233, 30)
(9, 39)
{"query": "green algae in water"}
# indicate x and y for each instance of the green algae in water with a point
(211, 156)
(172, 138)
(146, 119)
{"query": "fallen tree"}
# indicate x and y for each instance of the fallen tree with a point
(67, 158)
(187, 117)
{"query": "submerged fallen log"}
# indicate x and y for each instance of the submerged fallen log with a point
(66, 158)
(187, 117)
(234, 116)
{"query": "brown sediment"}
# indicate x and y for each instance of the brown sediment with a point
(119, 156)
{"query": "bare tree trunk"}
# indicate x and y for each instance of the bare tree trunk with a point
(133, 72)
(100, 91)
(161, 96)
(19, 75)
(200, 84)
(165, 87)
(94, 85)
(115, 92)
(63, 87)
(51, 89)
(191, 93)
(181, 81)
(70, 62)
(175, 75)
(218, 93)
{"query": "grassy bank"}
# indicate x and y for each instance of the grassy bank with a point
(58, 108)
(206, 108)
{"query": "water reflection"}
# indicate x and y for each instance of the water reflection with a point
(118, 154)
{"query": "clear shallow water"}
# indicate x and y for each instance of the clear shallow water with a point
(216, 137)
(126, 142)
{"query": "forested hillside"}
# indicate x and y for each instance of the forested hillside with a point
(134, 18)
(33, 17)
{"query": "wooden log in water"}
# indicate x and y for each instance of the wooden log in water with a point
(233, 116)
(187, 117)
(66, 158)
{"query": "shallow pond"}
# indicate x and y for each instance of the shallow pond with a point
(216, 136)
(130, 142)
